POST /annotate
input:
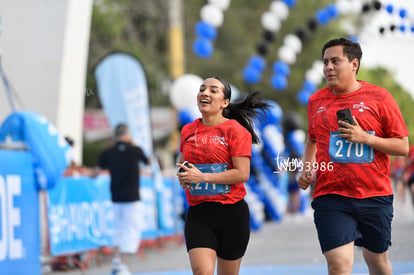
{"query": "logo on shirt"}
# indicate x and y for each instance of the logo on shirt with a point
(220, 140)
(205, 139)
(361, 107)
(321, 109)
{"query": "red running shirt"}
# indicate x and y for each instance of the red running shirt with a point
(212, 145)
(358, 171)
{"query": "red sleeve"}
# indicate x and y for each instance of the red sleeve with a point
(311, 133)
(240, 143)
(392, 119)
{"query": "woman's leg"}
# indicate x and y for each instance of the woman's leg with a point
(202, 260)
(226, 267)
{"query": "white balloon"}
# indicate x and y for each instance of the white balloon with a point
(193, 110)
(299, 135)
(221, 4)
(184, 90)
(293, 42)
(356, 6)
(280, 9)
(344, 7)
(274, 138)
(212, 14)
(314, 76)
(270, 22)
(318, 66)
(235, 93)
(286, 54)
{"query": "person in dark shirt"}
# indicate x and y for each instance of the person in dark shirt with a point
(122, 159)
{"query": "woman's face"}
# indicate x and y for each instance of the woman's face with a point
(210, 98)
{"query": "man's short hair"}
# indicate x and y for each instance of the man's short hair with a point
(351, 49)
(120, 130)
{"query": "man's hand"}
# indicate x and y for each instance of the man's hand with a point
(306, 179)
(353, 133)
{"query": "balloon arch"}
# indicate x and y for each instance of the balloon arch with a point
(271, 20)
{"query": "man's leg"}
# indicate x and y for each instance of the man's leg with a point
(378, 263)
(341, 259)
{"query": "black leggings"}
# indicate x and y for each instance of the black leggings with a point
(222, 227)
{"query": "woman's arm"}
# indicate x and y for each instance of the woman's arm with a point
(239, 173)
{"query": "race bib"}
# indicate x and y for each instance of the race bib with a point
(206, 188)
(343, 151)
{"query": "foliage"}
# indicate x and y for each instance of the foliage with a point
(91, 152)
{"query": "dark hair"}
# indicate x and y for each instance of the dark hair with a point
(351, 49)
(253, 106)
(120, 130)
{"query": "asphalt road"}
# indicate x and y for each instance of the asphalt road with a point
(287, 247)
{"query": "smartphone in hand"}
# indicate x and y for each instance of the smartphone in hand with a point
(186, 163)
(345, 115)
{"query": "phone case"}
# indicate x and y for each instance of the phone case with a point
(345, 115)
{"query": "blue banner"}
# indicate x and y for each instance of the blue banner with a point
(80, 215)
(170, 207)
(123, 93)
(19, 213)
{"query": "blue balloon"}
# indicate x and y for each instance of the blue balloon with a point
(279, 82)
(205, 30)
(389, 8)
(257, 62)
(403, 13)
(203, 47)
(295, 143)
(353, 38)
(282, 68)
(303, 97)
(402, 28)
(412, 28)
(332, 11)
(322, 17)
(309, 86)
(185, 116)
(274, 114)
(290, 3)
(251, 75)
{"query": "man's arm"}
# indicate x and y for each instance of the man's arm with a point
(396, 146)
(306, 178)
(391, 146)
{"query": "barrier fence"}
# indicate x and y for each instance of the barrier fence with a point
(78, 215)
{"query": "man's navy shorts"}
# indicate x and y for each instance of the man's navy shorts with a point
(340, 220)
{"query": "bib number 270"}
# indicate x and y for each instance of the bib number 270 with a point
(344, 151)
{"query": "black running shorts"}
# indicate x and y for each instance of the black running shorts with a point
(224, 228)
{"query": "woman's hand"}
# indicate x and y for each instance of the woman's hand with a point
(187, 175)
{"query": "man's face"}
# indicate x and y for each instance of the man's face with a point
(339, 72)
